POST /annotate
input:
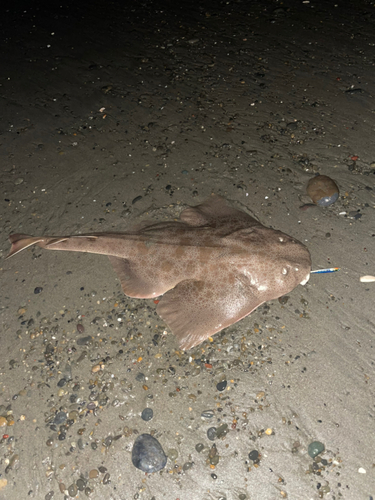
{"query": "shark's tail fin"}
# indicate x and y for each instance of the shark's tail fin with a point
(20, 242)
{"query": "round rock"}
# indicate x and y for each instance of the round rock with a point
(147, 414)
(322, 190)
(60, 417)
(315, 448)
(148, 454)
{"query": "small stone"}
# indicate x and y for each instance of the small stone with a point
(315, 448)
(199, 447)
(254, 455)
(211, 433)
(84, 340)
(93, 474)
(172, 454)
(140, 377)
(221, 385)
(81, 484)
(147, 414)
(73, 490)
(187, 466)
(13, 463)
(61, 382)
(222, 430)
(97, 368)
(108, 441)
(148, 454)
(60, 418)
(207, 414)
(80, 328)
(38, 289)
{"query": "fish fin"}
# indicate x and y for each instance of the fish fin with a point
(20, 242)
(215, 211)
(136, 281)
(196, 310)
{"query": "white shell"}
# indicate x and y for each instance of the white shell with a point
(367, 279)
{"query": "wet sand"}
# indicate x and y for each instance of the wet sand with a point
(113, 114)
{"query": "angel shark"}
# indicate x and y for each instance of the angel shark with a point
(213, 267)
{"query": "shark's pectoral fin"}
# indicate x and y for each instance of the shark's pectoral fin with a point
(196, 310)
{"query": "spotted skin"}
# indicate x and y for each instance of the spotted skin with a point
(213, 267)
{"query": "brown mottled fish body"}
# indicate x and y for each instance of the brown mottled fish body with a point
(213, 267)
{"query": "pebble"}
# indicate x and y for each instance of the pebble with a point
(60, 417)
(84, 340)
(147, 414)
(315, 448)
(93, 474)
(221, 385)
(80, 328)
(13, 463)
(148, 454)
(222, 430)
(207, 414)
(73, 490)
(38, 289)
(187, 466)
(322, 190)
(140, 377)
(97, 368)
(81, 484)
(199, 447)
(172, 454)
(211, 433)
(254, 455)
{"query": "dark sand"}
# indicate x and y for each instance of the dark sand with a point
(115, 112)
